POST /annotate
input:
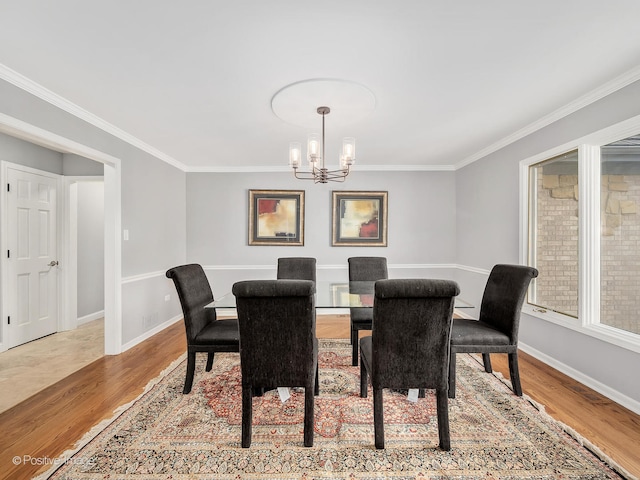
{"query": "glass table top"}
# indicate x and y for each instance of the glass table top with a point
(334, 295)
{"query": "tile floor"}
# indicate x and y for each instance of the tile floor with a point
(29, 368)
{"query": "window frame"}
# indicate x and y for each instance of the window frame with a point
(589, 179)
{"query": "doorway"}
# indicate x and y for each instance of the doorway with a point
(84, 243)
(112, 227)
(48, 214)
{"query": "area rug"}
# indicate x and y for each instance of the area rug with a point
(167, 435)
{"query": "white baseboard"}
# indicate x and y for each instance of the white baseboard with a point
(608, 392)
(91, 317)
(150, 333)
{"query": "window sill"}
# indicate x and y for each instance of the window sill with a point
(605, 333)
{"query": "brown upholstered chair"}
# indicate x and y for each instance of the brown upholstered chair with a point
(409, 345)
(296, 268)
(496, 330)
(205, 333)
(360, 269)
(278, 345)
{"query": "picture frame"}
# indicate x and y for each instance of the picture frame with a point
(276, 217)
(359, 219)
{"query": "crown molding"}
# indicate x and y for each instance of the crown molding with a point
(608, 88)
(28, 85)
(56, 100)
(359, 168)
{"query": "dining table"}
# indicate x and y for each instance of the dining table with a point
(330, 294)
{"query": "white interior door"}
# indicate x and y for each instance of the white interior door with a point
(32, 257)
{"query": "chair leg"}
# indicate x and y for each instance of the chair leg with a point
(316, 388)
(354, 347)
(308, 416)
(191, 368)
(257, 391)
(443, 419)
(247, 414)
(364, 380)
(378, 418)
(486, 359)
(514, 373)
(452, 375)
(209, 361)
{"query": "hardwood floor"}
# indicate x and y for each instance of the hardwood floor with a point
(53, 420)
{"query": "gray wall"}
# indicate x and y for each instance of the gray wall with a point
(90, 248)
(24, 153)
(153, 209)
(487, 222)
(421, 222)
(74, 165)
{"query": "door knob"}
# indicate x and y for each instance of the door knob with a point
(53, 263)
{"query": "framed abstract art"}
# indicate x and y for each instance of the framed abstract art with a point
(276, 217)
(359, 219)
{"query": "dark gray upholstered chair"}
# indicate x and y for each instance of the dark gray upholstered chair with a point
(409, 345)
(205, 333)
(496, 331)
(363, 268)
(278, 345)
(297, 268)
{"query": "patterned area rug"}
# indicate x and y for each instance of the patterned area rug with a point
(165, 434)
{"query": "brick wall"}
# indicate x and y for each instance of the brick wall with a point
(557, 247)
(557, 243)
(620, 247)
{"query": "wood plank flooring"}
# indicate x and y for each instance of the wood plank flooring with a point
(53, 420)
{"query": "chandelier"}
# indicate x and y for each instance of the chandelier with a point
(317, 170)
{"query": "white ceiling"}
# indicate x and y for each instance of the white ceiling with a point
(194, 79)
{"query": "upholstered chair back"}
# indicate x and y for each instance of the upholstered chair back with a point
(411, 333)
(297, 268)
(367, 268)
(277, 331)
(194, 293)
(503, 297)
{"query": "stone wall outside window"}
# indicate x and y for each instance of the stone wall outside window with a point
(620, 252)
(557, 248)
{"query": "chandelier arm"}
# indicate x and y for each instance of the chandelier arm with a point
(304, 175)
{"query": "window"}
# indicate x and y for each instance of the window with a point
(620, 235)
(580, 224)
(553, 235)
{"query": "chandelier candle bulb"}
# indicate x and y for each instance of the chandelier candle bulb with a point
(294, 154)
(349, 150)
(313, 148)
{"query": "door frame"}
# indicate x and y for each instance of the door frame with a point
(112, 227)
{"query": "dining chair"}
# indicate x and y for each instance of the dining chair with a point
(297, 268)
(496, 330)
(363, 269)
(205, 332)
(409, 345)
(278, 344)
